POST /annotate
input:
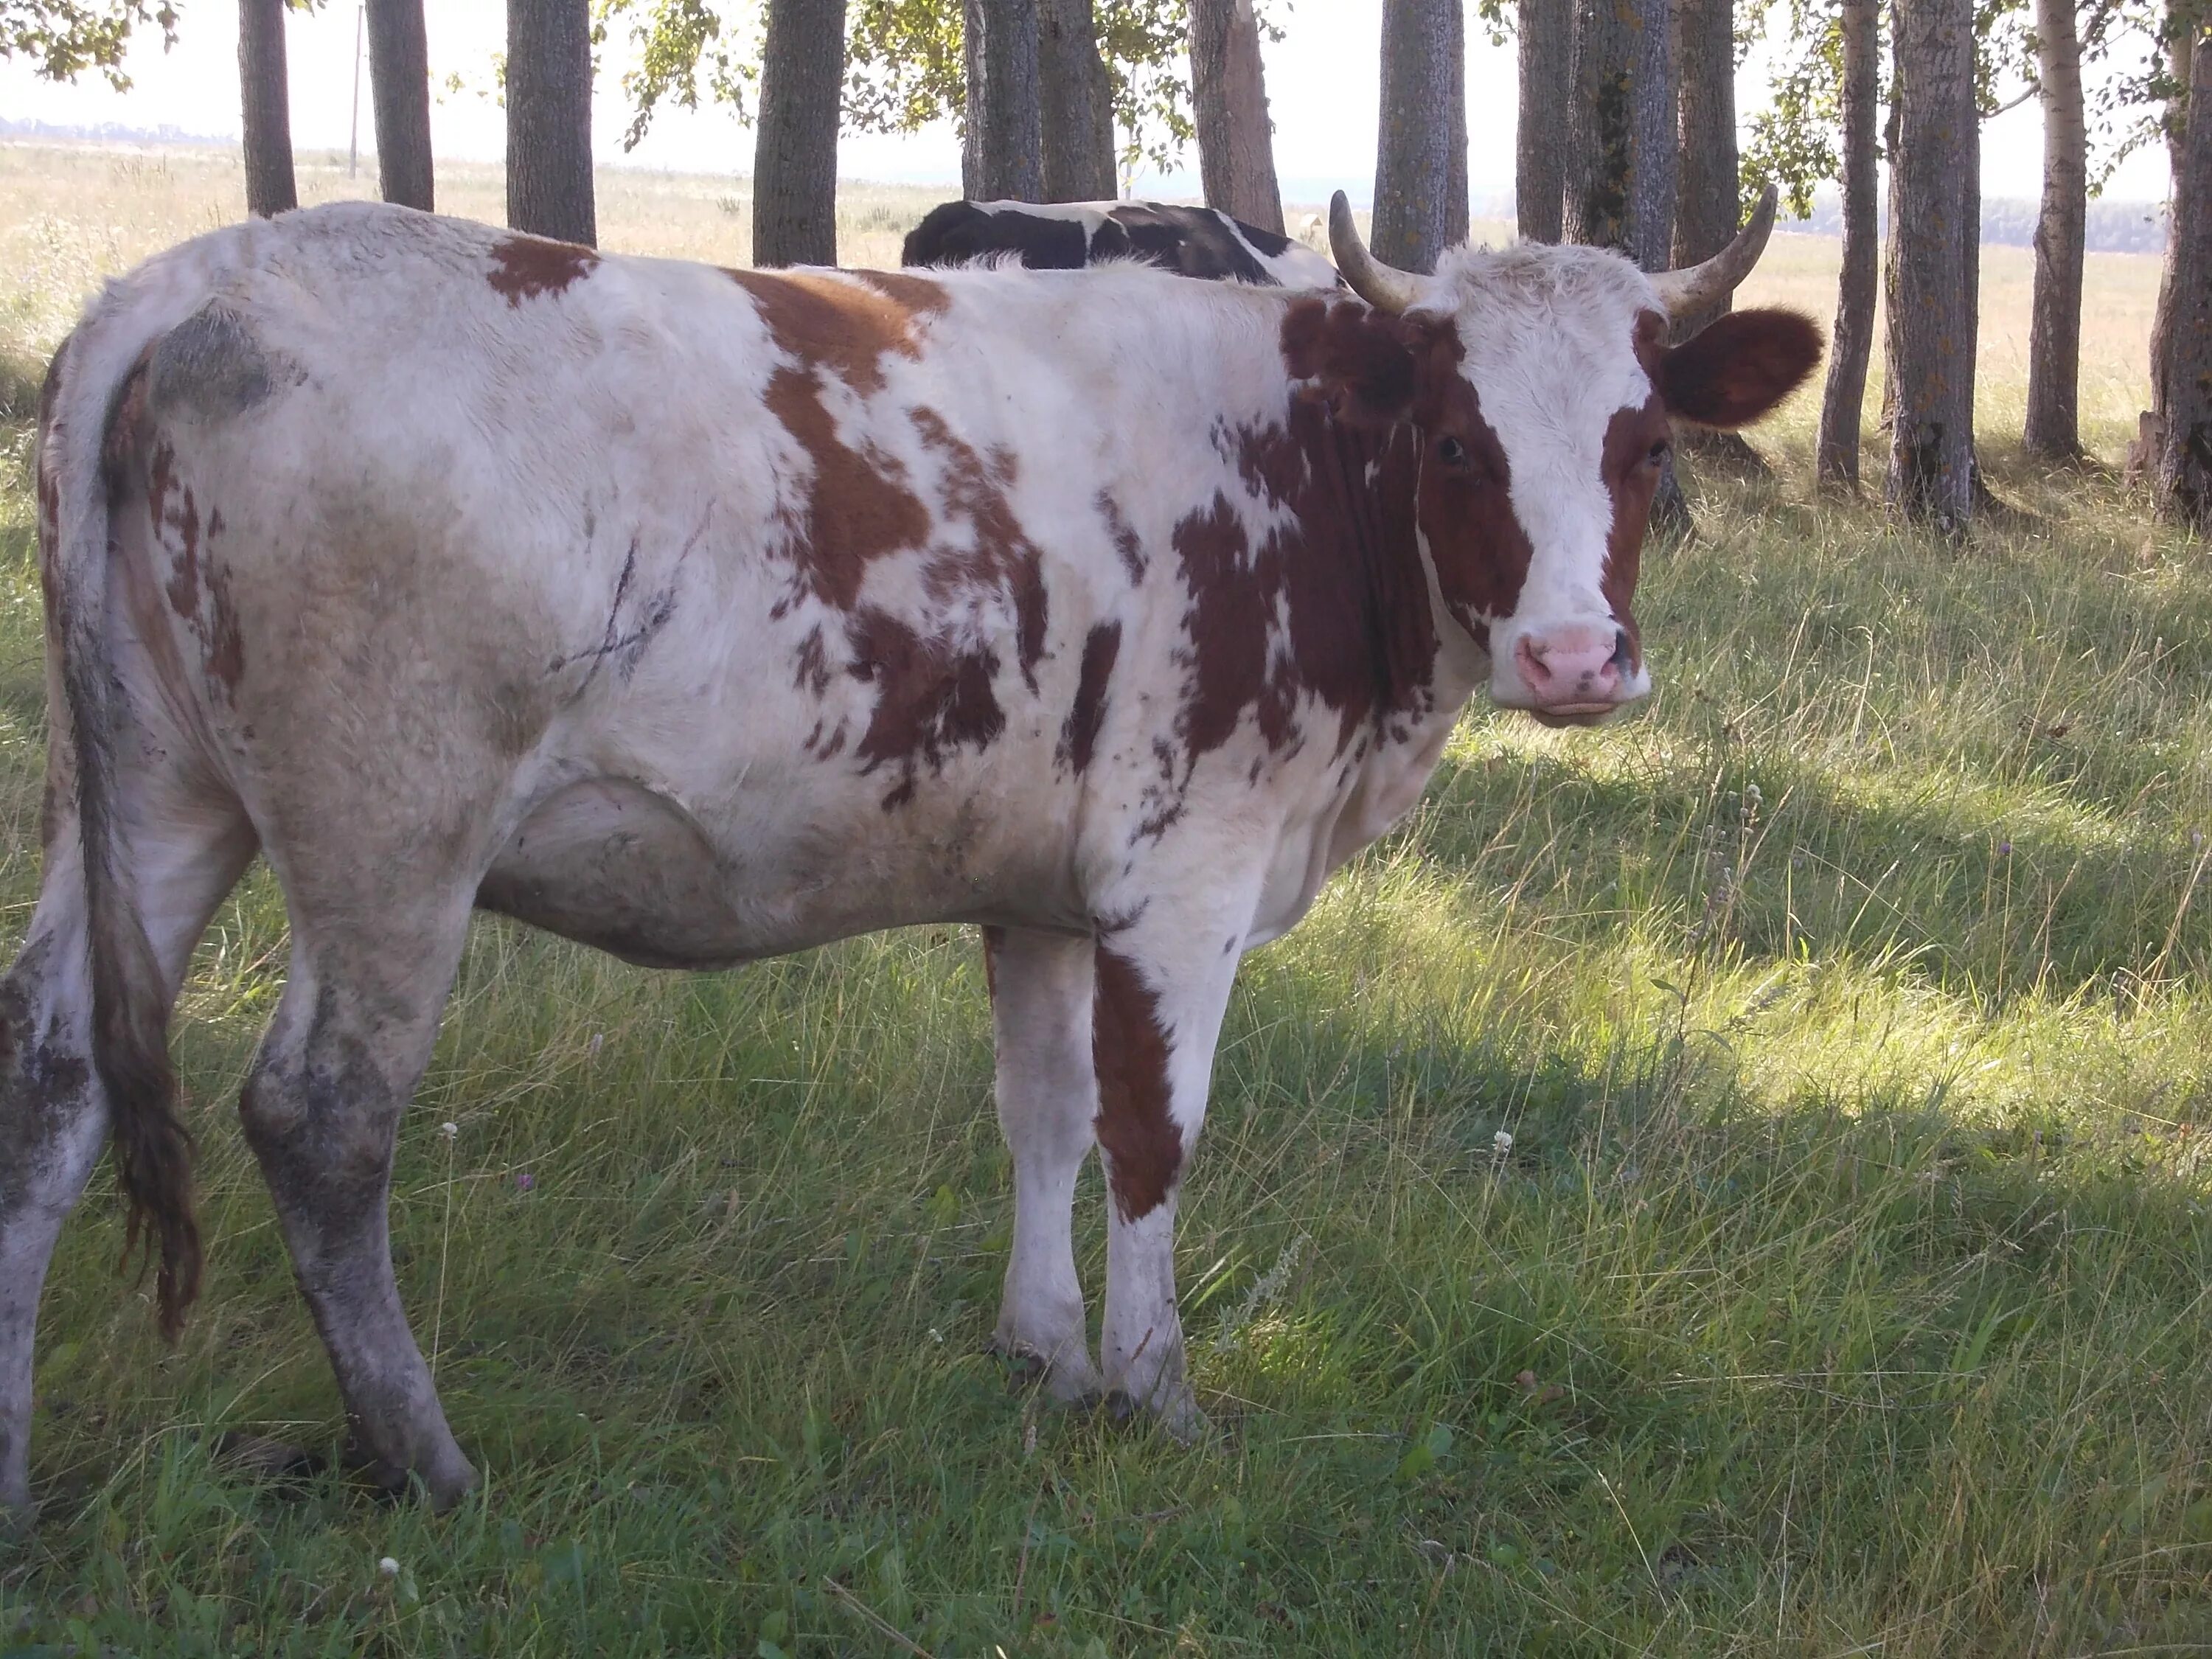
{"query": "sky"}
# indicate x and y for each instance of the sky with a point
(1322, 85)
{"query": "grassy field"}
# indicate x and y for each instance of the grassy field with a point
(1732, 1184)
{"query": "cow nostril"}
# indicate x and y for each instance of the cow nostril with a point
(1620, 659)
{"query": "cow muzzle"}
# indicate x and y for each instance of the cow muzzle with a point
(1575, 674)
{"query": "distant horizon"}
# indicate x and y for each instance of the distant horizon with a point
(2003, 213)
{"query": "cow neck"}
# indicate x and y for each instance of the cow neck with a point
(1377, 472)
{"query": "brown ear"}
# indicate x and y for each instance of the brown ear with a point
(1360, 359)
(1730, 374)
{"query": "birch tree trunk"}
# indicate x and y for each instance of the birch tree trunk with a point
(795, 142)
(1420, 167)
(1599, 123)
(1843, 402)
(265, 108)
(2182, 380)
(1077, 111)
(1002, 154)
(1229, 96)
(1933, 245)
(2054, 340)
(399, 86)
(1547, 38)
(548, 119)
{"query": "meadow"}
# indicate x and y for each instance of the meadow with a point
(1735, 1182)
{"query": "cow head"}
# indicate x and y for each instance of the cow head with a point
(1542, 393)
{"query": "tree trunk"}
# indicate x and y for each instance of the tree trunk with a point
(1933, 245)
(1077, 103)
(1229, 96)
(1002, 154)
(1420, 184)
(1600, 114)
(548, 119)
(1708, 197)
(1652, 140)
(1548, 34)
(2054, 340)
(1843, 403)
(2178, 59)
(2182, 378)
(795, 141)
(399, 84)
(265, 108)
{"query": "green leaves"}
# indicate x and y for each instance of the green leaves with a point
(64, 38)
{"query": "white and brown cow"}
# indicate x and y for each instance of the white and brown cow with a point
(703, 615)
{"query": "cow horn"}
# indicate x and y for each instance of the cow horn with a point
(1699, 288)
(1384, 287)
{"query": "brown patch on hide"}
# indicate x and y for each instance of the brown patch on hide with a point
(1340, 563)
(1003, 555)
(1136, 1128)
(859, 508)
(1079, 735)
(529, 267)
(931, 699)
(1126, 541)
(844, 325)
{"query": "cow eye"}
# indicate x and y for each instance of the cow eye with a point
(1451, 451)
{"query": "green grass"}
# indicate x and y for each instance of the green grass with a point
(1841, 1287)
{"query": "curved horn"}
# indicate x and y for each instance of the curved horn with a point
(1384, 287)
(1700, 287)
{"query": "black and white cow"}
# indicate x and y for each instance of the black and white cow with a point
(702, 615)
(1192, 241)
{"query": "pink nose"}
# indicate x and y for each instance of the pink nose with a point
(1573, 666)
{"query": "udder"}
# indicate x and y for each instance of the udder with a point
(610, 864)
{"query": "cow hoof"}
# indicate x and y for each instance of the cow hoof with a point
(391, 1483)
(1068, 1381)
(1179, 1416)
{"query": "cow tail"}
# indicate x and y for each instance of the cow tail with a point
(91, 440)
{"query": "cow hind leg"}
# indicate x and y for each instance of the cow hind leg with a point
(321, 1108)
(185, 851)
(1047, 1098)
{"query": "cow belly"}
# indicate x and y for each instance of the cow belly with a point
(611, 865)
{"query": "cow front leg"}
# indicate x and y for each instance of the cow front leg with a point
(321, 1110)
(1158, 1005)
(1047, 1097)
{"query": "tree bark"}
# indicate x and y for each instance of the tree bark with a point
(1228, 97)
(1600, 117)
(1934, 247)
(2054, 340)
(795, 141)
(1842, 402)
(399, 85)
(1002, 154)
(2182, 379)
(265, 108)
(1708, 196)
(1078, 110)
(1420, 167)
(1652, 140)
(548, 119)
(1547, 35)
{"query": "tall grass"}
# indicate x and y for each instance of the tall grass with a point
(1729, 1184)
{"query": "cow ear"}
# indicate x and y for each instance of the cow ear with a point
(1359, 360)
(1736, 371)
